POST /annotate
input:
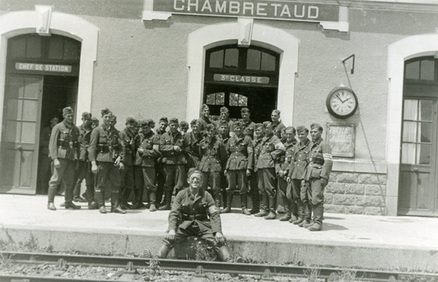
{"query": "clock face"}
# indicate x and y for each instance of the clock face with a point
(342, 102)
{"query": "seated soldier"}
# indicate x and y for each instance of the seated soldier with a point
(194, 213)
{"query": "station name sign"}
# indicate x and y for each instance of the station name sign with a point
(241, 78)
(43, 67)
(267, 9)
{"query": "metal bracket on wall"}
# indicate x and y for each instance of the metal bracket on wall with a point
(352, 65)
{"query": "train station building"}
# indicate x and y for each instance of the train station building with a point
(365, 70)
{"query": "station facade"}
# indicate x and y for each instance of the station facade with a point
(157, 58)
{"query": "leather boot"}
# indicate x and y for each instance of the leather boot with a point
(287, 213)
(51, 206)
(51, 195)
(318, 211)
(71, 206)
(223, 253)
(272, 214)
(263, 206)
(115, 206)
(100, 200)
(227, 209)
(152, 201)
(93, 206)
(300, 213)
(164, 251)
(255, 203)
(244, 203)
(217, 199)
(167, 199)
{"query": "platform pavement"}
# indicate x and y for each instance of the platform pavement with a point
(390, 243)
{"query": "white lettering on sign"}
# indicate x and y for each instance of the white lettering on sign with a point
(43, 67)
(241, 78)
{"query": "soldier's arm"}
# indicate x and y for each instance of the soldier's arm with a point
(279, 149)
(175, 212)
(93, 145)
(53, 142)
(214, 213)
(328, 160)
(165, 149)
(250, 151)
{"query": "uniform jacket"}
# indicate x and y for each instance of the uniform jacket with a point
(84, 142)
(170, 156)
(301, 160)
(188, 209)
(248, 128)
(150, 144)
(193, 140)
(105, 144)
(128, 139)
(240, 151)
(313, 171)
(203, 122)
(278, 128)
(271, 150)
(63, 142)
(257, 148)
(213, 155)
(323, 148)
(286, 161)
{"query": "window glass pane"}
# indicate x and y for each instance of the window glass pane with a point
(220, 98)
(425, 110)
(234, 99)
(217, 59)
(410, 110)
(243, 101)
(211, 99)
(413, 70)
(13, 130)
(34, 48)
(15, 109)
(15, 87)
(30, 110)
(408, 153)
(17, 48)
(427, 70)
(253, 59)
(409, 131)
(231, 58)
(423, 154)
(71, 50)
(56, 48)
(425, 132)
(268, 62)
(28, 132)
(32, 88)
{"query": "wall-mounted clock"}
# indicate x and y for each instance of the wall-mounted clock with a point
(342, 102)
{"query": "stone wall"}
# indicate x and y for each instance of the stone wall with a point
(356, 193)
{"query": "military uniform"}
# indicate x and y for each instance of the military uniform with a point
(254, 177)
(159, 169)
(192, 140)
(105, 147)
(63, 145)
(271, 150)
(127, 178)
(278, 128)
(248, 126)
(224, 181)
(203, 122)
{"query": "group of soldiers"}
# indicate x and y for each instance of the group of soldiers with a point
(142, 163)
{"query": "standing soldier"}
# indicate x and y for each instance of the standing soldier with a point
(224, 118)
(106, 156)
(213, 158)
(63, 148)
(83, 167)
(321, 163)
(247, 123)
(238, 168)
(276, 123)
(223, 135)
(163, 123)
(271, 151)
(204, 119)
(193, 139)
(127, 136)
(296, 174)
(255, 192)
(173, 148)
(147, 153)
(283, 167)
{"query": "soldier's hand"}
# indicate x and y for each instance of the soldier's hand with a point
(94, 168)
(220, 238)
(177, 148)
(289, 179)
(121, 165)
(248, 172)
(56, 163)
(303, 183)
(324, 182)
(225, 172)
(140, 150)
(281, 173)
(171, 235)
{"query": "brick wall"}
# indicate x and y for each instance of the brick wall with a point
(356, 193)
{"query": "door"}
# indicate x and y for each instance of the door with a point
(418, 168)
(21, 118)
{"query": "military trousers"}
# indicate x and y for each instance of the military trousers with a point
(212, 179)
(175, 176)
(149, 176)
(127, 178)
(83, 171)
(315, 191)
(267, 181)
(63, 175)
(297, 191)
(107, 178)
(237, 181)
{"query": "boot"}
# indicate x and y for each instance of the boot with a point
(287, 214)
(305, 223)
(71, 206)
(227, 209)
(115, 206)
(244, 202)
(255, 203)
(100, 200)
(152, 200)
(51, 206)
(93, 206)
(223, 253)
(167, 199)
(263, 206)
(271, 214)
(318, 211)
(300, 213)
(217, 199)
(164, 251)
(159, 196)
(102, 209)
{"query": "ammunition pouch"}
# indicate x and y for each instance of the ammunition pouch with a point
(103, 148)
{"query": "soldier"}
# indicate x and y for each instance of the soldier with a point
(194, 213)
(204, 119)
(223, 135)
(238, 168)
(247, 124)
(282, 169)
(318, 176)
(296, 173)
(193, 139)
(224, 118)
(271, 150)
(254, 191)
(106, 156)
(94, 122)
(83, 167)
(63, 148)
(147, 153)
(127, 136)
(163, 123)
(138, 170)
(276, 123)
(173, 147)
(183, 127)
(44, 160)
(213, 157)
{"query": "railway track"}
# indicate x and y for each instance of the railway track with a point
(266, 272)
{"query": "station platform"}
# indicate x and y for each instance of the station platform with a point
(356, 241)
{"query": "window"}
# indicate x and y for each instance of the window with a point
(237, 100)
(216, 99)
(421, 69)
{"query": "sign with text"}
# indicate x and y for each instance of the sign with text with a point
(241, 78)
(267, 9)
(341, 138)
(43, 67)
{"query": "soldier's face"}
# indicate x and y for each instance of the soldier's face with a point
(211, 133)
(258, 132)
(68, 118)
(195, 180)
(146, 128)
(184, 129)
(95, 124)
(302, 135)
(224, 115)
(131, 126)
(290, 136)
(238, 130)
(316, 134)
(195, 128)
(275, 116)
(173, 127)
(53, 122)
(107, 119)
(223, 130)
(206, 112)
(268, 130)
(163, 125)
(245, 115)
(87, 121)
